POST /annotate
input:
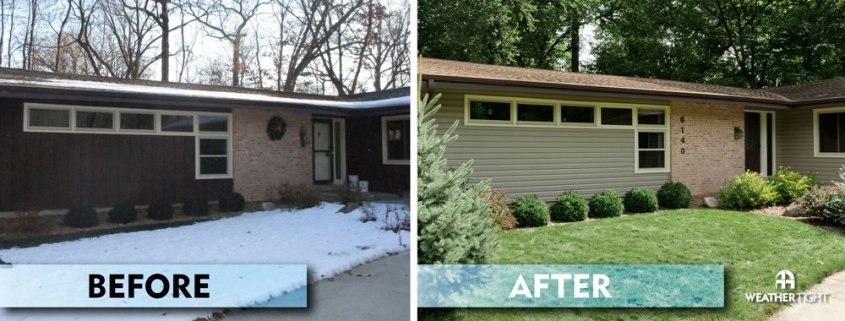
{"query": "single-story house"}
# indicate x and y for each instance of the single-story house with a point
(545, 132)
(68, 140)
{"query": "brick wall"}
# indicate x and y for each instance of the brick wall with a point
(711, 153)
(262, 165)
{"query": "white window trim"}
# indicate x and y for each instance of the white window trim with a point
(384, 159)
(95, 110)
(28, 128)
(157, 125)
(816, 152)
(666, 151)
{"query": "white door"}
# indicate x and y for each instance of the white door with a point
(323, 151)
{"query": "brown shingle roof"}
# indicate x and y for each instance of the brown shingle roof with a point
(460, 71)
(815, 91)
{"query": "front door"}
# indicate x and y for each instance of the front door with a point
(759, 142)
(323, 152)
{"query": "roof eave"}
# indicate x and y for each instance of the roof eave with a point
(758, 102)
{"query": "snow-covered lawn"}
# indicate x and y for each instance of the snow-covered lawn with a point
(327, 241)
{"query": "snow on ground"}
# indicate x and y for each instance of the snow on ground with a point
(327, 241)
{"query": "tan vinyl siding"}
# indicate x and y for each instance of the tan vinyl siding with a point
(795, 145)
(542, 160)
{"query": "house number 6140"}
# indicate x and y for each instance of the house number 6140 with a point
(683, 139)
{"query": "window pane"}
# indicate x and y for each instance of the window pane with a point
(652, 159)
(91, 119)
(485, 110)
(829, 133)
(651, 117)
(213, 166)
(541, 113)
(137, 121)
(214, 123)
(650, 140)
(575, 114)
(212, 146)
(177, 123)
(616, 116)
(399, 139)
(49, 118)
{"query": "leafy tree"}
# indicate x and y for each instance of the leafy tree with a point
(455, 225)
(740, 43)
(534, 33)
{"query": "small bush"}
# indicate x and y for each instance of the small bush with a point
(195, 207)
(349, 195)
(530, 211)
(835, 211)
(498, 203)
(28, 222)
(749, 190)
(299, 196)
(790, 185)
(160, 211)
(570, 207)
(674, 195)
(123, 212)
(640, 200)
(81, 217)
(606, 204)
(231, 202)
(815, 201)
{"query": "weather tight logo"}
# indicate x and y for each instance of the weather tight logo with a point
(785, 280)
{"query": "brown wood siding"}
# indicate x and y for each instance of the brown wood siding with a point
(58, 170)
(364, 158)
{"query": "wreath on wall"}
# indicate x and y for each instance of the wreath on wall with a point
(276, 128)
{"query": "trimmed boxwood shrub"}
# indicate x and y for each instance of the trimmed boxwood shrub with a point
(790, 185)
(123, 212)
(195, 207)
(530, 211)
(570, 207)
(835, 211)
(160, 211)
(81, 216)
(231, 202)
(749, 190)
(640, 200)
(674, 195)
(607, 203)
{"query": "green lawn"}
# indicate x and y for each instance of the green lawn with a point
(752, 248)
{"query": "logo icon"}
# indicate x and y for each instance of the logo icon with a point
(784, 279)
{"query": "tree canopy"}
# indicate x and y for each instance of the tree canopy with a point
(746, 43)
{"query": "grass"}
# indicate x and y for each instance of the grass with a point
(752, 248)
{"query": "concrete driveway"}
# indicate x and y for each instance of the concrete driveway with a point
(379, 290)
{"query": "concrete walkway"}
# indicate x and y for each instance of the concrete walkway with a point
(379, 290)
(830, 311)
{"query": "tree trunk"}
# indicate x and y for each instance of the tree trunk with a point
(236, 61)
(165, 42)
(574, 45)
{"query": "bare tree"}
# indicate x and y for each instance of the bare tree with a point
(227, 20)
(317, 21)
(388, 55)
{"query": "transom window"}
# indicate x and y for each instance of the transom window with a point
(211, 131)
(649, 123)
(490, 110)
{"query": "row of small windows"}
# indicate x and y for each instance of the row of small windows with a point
(495, 111)
(60, 119)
